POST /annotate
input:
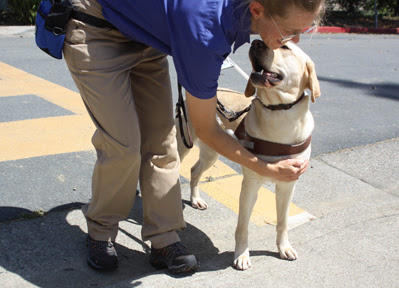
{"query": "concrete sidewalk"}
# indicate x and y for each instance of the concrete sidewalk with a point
(352, 243)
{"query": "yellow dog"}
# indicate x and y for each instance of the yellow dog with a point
(277, 126)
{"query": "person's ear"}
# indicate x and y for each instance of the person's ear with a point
(256, 9)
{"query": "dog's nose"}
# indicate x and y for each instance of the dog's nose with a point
(258, 44)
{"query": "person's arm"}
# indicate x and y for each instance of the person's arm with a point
(203, 117)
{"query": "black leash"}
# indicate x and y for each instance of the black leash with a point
(179, 109)
(229, 115)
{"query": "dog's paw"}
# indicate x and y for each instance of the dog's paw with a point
(198, 203)
(287, 252)
(243, 262)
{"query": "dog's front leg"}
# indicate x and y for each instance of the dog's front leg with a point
(248, 196)
(284, 193)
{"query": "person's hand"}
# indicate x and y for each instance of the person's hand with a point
(288, 170)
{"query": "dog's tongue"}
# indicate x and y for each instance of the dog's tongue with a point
(265, 78)
(271, 77)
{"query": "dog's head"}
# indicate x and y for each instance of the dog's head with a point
(285, 72)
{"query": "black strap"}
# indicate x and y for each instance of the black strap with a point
(281, 106)
(44, 16)
(58, 17)
(231, 115)
(179, 108)
(92, 20)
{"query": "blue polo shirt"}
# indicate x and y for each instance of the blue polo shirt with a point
(198, 34)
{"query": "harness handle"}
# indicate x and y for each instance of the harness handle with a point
(179, 109)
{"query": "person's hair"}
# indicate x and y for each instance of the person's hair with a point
(282, 7)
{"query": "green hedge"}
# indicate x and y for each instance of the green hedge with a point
(21, 12)
(385, 7)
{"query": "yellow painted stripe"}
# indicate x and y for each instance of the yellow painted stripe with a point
(16, 82)
(218, 170)
(226, 190)
(44, 136)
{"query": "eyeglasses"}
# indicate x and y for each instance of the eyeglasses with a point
(285, 39)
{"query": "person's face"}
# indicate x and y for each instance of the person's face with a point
(272, 30)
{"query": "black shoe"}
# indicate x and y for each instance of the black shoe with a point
(174, 257)
(101, 254)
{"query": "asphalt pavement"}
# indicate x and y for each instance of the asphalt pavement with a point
(351, 189)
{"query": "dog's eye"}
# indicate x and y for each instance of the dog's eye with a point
(285, 47)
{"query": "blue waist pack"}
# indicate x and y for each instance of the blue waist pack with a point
(51, 20)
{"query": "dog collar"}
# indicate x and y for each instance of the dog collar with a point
(281, 106)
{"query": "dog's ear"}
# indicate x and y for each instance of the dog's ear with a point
(250, 89)
(313, 84)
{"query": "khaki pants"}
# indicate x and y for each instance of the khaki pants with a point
(126, 88)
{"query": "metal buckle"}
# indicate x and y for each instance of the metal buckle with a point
(58, 31)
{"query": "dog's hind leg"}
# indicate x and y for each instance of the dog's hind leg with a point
(207, 158)
(248, 197)
(284, 193)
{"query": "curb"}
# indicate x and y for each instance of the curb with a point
(358, 30)
(16, 30)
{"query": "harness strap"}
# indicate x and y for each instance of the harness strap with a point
(231, 115)
(262, 147)
(179, 109)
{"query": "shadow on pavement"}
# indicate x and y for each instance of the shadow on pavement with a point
(386, 90)
(50, 251)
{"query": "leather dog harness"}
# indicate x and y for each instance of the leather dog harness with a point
(262, 147)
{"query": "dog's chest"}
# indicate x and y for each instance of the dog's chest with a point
(283, 126)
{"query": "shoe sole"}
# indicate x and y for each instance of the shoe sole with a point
(192, 265)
